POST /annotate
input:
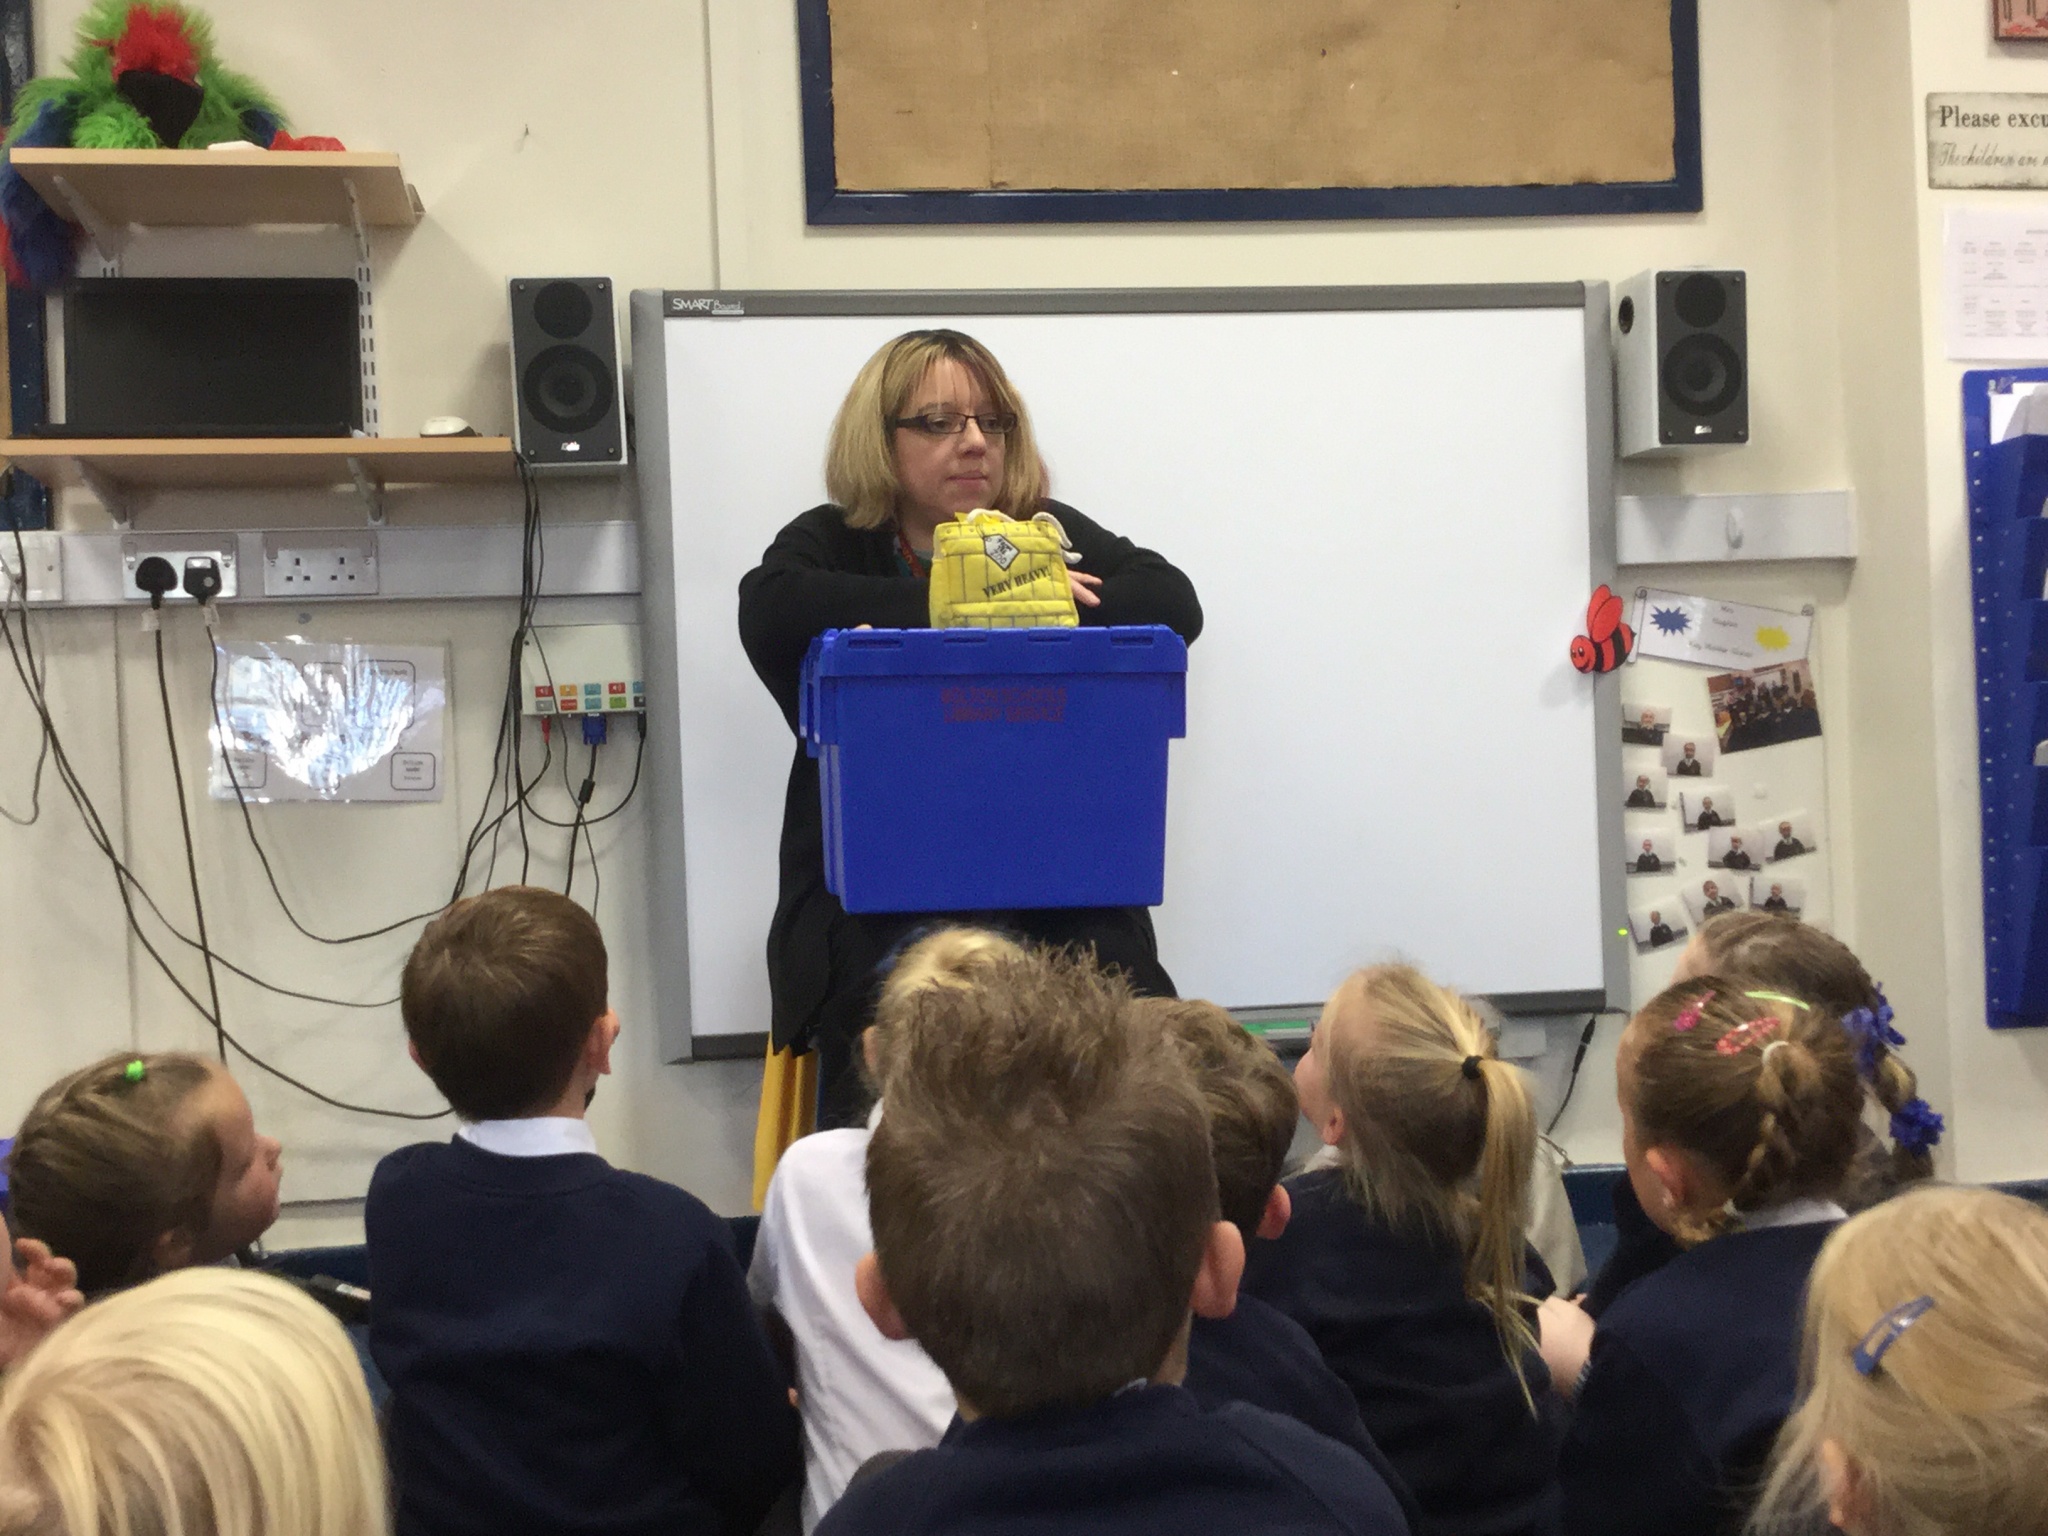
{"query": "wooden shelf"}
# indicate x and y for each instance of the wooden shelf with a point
(242, 463)
(219, 187)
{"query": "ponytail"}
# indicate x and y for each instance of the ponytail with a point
(1440, 1133)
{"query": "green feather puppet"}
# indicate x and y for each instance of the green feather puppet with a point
(144, 76)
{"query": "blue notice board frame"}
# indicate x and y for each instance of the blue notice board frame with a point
(826, 204)
(2008, 487)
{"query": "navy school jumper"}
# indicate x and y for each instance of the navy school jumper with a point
(570, 1347)
(1423, 1361)
(1694, 1368)
(1260, 1356)
(1146, 1462)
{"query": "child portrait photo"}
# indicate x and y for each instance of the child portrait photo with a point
(1652, 853)
(1655, 927)
(1706, 806)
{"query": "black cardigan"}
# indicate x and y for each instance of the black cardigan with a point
(819, 574)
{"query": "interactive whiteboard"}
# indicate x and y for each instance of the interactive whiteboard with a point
(1394, 504)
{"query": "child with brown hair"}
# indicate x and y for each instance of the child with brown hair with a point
(1797, 958)
(1925, 1374)
(1739, 1109)
(860, 1394)
(1045, 1219)
(569, 1346)
(1408, 1264)
(1258, 1354)
(140, 1164)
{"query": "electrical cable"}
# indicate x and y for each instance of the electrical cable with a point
(20, 594)
(582, 799)
(163, 690)
(639, 758)
(1578, 1061)
(127, 885)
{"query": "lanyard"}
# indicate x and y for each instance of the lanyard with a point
(909, 556)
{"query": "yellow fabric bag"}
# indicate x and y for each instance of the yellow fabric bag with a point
(789, 1110)
(992, 572)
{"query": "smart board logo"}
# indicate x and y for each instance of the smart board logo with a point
(999, 549)
(1701, 430)
(572, 447)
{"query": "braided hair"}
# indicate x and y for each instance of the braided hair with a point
(1758, 1085)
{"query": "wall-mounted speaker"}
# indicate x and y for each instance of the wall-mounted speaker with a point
(569, 407)
(1681, 362)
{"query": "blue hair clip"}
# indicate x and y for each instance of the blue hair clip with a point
(1871, 1028)
(1869, 1351)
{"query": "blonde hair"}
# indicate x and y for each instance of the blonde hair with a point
(211, 1402)
(1430, 1142)
(950, 958)
(860, 459)
(1759, 1086)
(1950, 1433)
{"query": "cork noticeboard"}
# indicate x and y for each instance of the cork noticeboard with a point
(947, 111)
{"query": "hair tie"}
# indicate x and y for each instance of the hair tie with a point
(1917, 1126)
(1775, 1045)
(1689, 1015)
(1871, 1029)
(1471, 1067)
(1744, 1035)
(136, 1070)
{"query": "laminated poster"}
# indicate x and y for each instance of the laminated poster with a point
(343, 722)
(1679, 626)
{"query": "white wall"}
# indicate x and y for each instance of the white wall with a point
(658, 143)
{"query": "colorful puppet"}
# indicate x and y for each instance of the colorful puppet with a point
(144, 76)
(1607, 641)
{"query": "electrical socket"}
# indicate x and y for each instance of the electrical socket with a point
(320, 563)
(45, 553)
(179, 550)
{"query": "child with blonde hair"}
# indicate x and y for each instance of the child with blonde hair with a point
(206, 1403)
(140, 1164)
(860, 1394)
(1739, 1110)
(1797, 958)
(1407, 1263)
(1925, 1374)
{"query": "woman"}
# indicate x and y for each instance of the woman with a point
(931, 428)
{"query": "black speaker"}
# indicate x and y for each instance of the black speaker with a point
(1681, 362)
(570, 410)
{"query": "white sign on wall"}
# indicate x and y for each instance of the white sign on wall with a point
(1987, 139)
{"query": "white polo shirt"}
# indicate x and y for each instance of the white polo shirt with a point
(860, 1393)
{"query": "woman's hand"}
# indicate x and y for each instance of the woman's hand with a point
(1565, 1334)
(35, 1298)
(1084, 586)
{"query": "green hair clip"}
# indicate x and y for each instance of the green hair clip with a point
(1778, 997)
(135, 1071)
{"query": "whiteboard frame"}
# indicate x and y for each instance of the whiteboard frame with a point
(653, 310)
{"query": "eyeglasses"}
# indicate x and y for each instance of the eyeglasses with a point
(953, 423)
(1869, 1351)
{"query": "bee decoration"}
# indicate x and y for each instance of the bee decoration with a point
(1607, 641)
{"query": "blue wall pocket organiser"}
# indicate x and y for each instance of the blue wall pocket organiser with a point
(966, 770)
(2008, 487)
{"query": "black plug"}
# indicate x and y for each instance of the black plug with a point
(156, 577)
(202, 579)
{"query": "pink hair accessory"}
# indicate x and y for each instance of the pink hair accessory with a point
(1689, 1015)
(1745, 1035)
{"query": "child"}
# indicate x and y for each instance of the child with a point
(209, 1402)
(861, 1394)
(1925, 1405)
(568, 1346)
(1788, 956)
(1257, 1354)
(1045, 1217)
(139, 1164)
(1739, 1108)
(1406, 1264)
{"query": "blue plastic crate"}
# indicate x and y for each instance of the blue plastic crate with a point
(968, 770)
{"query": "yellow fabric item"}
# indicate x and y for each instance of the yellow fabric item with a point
(991, 572)
(789, 1109)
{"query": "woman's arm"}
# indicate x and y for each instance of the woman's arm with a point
(798, 592)
(1139, 586)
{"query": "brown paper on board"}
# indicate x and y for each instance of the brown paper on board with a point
(1137, 94)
